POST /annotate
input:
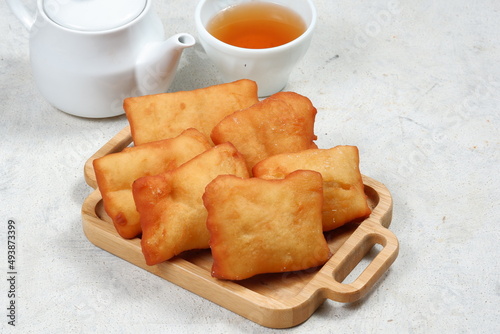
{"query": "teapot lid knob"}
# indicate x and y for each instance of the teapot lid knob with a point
(93, 15)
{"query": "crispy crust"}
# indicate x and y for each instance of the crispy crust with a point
(161, 116)
(265, 226)
(116, 172)
(284, 122)
(172, 214)
(344, 196)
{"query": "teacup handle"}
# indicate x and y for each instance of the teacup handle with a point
(22, 13)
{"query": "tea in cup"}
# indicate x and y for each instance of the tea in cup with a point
(260, 40)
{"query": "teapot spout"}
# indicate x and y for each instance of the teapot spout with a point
(157, 63)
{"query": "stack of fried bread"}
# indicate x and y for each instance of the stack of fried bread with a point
(215, 168)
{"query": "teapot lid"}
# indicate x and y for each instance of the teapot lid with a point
(93, 15)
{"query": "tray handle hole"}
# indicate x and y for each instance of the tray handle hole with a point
(368, 257)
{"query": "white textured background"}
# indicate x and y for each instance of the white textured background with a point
(415, 85)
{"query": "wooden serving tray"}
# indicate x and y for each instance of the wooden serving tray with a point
(273, 300)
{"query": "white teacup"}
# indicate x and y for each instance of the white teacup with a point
(270, 67)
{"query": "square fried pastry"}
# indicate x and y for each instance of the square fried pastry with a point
(172, 214)
(265, 226)
(284, 122)
(162, 116)
(116, 172)
(344, 196)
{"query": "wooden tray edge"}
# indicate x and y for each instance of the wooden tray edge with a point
(249, 304)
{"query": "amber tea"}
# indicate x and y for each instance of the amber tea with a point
(256, 25)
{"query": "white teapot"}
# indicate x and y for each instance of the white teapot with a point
(88, 55)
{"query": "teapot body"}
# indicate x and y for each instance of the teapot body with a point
(89, 73)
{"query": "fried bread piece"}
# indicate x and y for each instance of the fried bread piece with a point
(116, 172)
(344, 196)
(161, 116)
(265, 226)
(284, 122)
(172, 214)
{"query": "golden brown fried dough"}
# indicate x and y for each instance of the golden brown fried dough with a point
(172, 214)
(162, 116)
(284, 122)
(344, 196)
(265, 226)
(116, 172)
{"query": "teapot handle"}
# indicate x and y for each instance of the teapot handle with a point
(22, 13)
